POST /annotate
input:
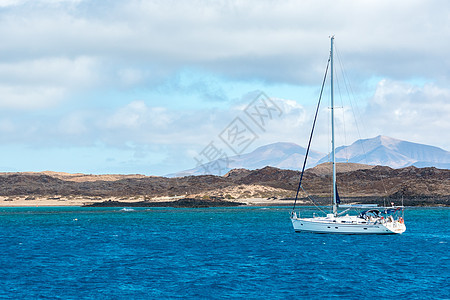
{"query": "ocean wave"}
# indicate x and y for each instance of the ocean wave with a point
(127, 209)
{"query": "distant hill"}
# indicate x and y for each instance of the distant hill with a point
(278, 155)
(381, 150)
(326, 168)
(386, 151)
(78, 177)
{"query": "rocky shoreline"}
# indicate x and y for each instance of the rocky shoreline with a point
(267, 186)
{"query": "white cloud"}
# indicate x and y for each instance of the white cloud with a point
(252, 39)
(77, 72)
(74, 124)
(66, 59)
(42, 83)
(138, 116)
(30, 97)
(410, 112)
(131, 76)
(138, 44)
(6, 3)
(141, 123)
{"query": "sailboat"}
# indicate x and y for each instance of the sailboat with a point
(371, 219)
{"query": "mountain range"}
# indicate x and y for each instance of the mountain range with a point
(380, 150)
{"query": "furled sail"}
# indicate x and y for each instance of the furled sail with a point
(338, 200)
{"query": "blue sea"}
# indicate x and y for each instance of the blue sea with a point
(214, 253)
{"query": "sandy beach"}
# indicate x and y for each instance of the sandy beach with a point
(32, 201)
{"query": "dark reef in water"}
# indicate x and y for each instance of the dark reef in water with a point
(185, 202)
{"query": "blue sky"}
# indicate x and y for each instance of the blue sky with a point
(144, 86)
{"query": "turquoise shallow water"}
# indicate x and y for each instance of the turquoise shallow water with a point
(74, 253)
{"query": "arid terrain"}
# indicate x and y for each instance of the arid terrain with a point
(267, 186)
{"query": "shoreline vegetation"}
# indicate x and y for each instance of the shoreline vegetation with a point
(268, 186)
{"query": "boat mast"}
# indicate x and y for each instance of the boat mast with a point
(332, 130)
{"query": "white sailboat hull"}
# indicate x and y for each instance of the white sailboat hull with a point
(346, 226)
